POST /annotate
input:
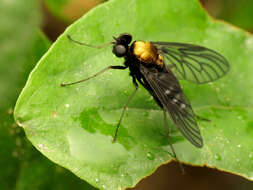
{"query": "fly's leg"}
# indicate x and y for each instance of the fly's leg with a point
(124, 108)
(95, 75)
(89, 45)
(202, 118)
(168, 137)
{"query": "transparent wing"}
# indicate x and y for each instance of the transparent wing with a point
(167, 89)
(194, 63)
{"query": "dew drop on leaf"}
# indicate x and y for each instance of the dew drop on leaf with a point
(151, 98)
(251, 155)
(217, 157)
(150, 156)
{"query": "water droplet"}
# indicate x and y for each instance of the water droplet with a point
(67, 105)
(239, 117)
(20, 124)
(151, 98)
(75, 169)
(150, 156)
(217, 157)
(122, 175)
(127, 178)
(251, 155)
(239, 146)
(43, 147)
(237, 160)
(104, 186)
(96, 180)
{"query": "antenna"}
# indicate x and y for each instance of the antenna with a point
(84, 44)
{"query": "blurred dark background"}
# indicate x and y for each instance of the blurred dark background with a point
(238, 13)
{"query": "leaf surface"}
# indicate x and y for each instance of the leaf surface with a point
(73, 126)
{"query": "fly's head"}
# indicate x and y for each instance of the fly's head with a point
(121, 44)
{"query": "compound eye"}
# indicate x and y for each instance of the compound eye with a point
(119, 50)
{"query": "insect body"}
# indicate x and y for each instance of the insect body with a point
(156, 66)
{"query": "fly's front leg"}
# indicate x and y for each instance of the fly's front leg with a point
(95, 75)
(124, 108)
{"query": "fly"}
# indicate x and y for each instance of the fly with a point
(157, 66)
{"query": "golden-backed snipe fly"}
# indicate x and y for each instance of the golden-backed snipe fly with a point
(156, 66)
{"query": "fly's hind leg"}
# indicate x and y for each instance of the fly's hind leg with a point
(124, 108)
(202, 118)
(168, 137)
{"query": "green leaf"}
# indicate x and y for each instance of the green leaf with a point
(73, 126)
(43, 174)
(22, 45)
